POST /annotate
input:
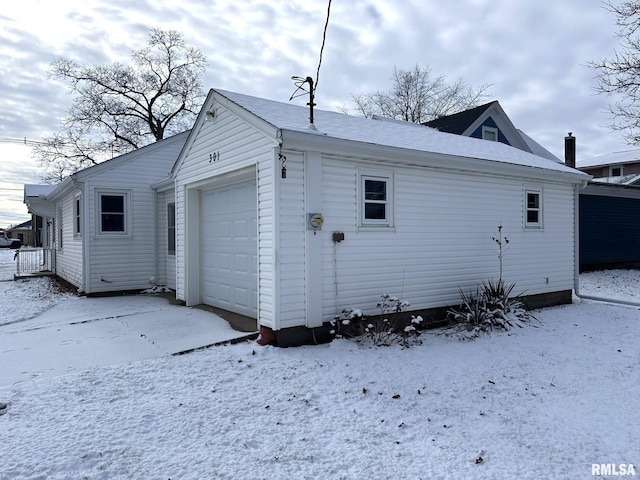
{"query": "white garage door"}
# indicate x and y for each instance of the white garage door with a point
(229, 248)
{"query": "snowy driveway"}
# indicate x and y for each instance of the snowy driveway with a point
(80, 333)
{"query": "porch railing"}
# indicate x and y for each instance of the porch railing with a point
(30, 261)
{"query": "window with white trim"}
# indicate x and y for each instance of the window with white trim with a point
(171, 228)
(533, 208)
(376, 197)
(77, 223)
(60, 230)
(112, 216)
(490, 133)
(615, 171)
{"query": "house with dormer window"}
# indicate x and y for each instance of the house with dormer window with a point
(490, 122)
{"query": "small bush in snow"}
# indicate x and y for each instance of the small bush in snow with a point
(487, 309)
(385, 329)
(491, 306)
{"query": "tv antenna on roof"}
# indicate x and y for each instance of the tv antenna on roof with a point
(299, 82)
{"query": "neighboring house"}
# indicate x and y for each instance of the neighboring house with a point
(102, 221)
(291, 223)
(618, 167)
(610, 211)
(35, 199)
(22, 232)
(609, 226)
(490, 122)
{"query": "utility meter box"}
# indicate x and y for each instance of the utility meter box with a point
(314, 221)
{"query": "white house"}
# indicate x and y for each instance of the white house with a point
(290, 222)
(102, 221)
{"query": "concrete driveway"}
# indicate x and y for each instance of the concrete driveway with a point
(81, 333)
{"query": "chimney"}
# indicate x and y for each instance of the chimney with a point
(570, 151)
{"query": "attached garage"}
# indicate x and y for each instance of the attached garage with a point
(229, 260)
(219, 244)
(274, 217)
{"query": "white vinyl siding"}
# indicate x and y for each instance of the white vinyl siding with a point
(166, 261)
(292, 302)
(68, 265)
(426, 234)
(127, 261)
(241, 149)
(442, 239)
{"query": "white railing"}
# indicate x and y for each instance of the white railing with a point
(34, 260)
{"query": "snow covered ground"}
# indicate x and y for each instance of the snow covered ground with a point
(545, 401)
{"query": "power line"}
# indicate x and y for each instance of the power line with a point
(324, 37)
(24, 141)
(300, 81)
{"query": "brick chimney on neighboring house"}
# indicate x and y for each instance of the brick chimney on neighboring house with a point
(570, 151)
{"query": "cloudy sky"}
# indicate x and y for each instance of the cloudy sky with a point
(533, 53)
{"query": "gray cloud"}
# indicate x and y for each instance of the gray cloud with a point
(533, 53)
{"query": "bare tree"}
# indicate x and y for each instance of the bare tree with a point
(118, 108)
(418, 96)
(619, 76)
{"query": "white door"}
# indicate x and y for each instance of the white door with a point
(229, 245)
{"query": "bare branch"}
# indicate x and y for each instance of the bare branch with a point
(618, 77)
(418, 96)
(117, 108)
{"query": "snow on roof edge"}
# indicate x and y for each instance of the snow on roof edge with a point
(392, 134)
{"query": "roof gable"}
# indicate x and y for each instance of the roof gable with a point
(209, 111)
(22, 226)
(470, 123)
(460, 122)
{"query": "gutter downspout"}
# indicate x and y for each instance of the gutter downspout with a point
(576, 262)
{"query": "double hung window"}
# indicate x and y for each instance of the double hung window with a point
(533, 208)
(113, 216)
(376, 200)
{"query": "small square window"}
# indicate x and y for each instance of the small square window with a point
(113, 213)
(615, 171)
(489, 133)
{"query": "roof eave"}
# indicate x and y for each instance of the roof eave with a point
(293, 139)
